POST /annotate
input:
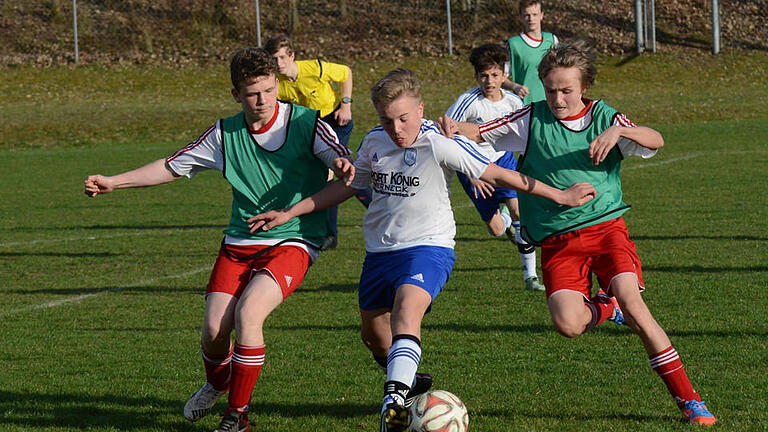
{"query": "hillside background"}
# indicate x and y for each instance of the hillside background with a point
(40, 32)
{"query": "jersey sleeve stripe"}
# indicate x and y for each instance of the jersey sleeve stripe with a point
(467, 100)
(327, 138)
(506, 119)
(622, 120)
(193, 144)
(469, 148)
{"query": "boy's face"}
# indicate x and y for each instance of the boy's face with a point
(401, 119)
(563, 90)
(490, 81)
(284, 59)
(258, 97)
(531, 17)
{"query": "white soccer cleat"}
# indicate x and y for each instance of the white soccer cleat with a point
(200, 403)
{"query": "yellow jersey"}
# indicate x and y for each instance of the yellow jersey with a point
(312, 87)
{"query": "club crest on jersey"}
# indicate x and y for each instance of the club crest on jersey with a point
(409, 157)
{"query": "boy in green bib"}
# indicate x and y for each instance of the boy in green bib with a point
(568, 139)
(273, 154)
(526, 51)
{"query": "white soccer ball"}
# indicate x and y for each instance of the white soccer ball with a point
(439, 411)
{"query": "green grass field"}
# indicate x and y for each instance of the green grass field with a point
(103, 298)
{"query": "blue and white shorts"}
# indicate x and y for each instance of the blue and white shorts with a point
(383, 272)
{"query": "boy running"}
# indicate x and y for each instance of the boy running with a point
(269, 166)
(526, 51)
(570, 138)
(485, 102)
(408, 228)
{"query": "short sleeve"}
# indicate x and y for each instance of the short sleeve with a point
(460, 154)
(626, 145)
(202, 154)
(334, 71)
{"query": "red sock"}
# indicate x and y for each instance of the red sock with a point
(217, 370)
(246, 365)
(601, 310)
(669, 367)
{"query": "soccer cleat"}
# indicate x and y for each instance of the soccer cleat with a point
(234, 421)
(618, 316)
(697, 412)
(533, 284)
(395, 418)
(200, 403)
(422, 385)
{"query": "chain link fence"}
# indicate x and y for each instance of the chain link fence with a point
(183, 31)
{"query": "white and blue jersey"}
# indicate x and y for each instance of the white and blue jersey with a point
(409, 226)
(473, 107)
(411, 187)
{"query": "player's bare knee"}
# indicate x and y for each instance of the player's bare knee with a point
(568, 328)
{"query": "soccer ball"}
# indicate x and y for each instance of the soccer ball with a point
(438, 411)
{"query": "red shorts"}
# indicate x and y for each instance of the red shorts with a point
(233, 270)
(568, 260)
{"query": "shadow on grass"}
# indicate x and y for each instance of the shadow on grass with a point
(77, 411)
(113, 412)
(581, 417)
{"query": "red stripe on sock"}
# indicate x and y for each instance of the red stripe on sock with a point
(246, 365)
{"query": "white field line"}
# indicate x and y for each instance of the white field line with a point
(99, 237)
(82, 297)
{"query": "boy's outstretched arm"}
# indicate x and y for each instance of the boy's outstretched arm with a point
(643, 136)
(574, 196)
(151, 174)
(333, 194)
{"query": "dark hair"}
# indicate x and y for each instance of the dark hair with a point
(394, 84)
(578, 54)
(274, 44)
(251, 63)
(487, 56)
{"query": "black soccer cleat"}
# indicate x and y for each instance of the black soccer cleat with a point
(422, 385)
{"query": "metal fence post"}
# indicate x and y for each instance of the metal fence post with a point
(74, 25)
(450, 35)
(715, 27)
(639, 26)
(258, 24)
(652, 24)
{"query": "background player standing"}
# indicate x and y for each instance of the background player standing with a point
(571, 138)
(308, 83)
(268, 166)
(485, 102)
(526, 51)
(409, 165)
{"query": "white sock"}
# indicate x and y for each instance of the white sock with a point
(528, 260)
(403, 360)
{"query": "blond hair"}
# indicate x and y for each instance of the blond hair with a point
(393, 85)
(576, 54)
